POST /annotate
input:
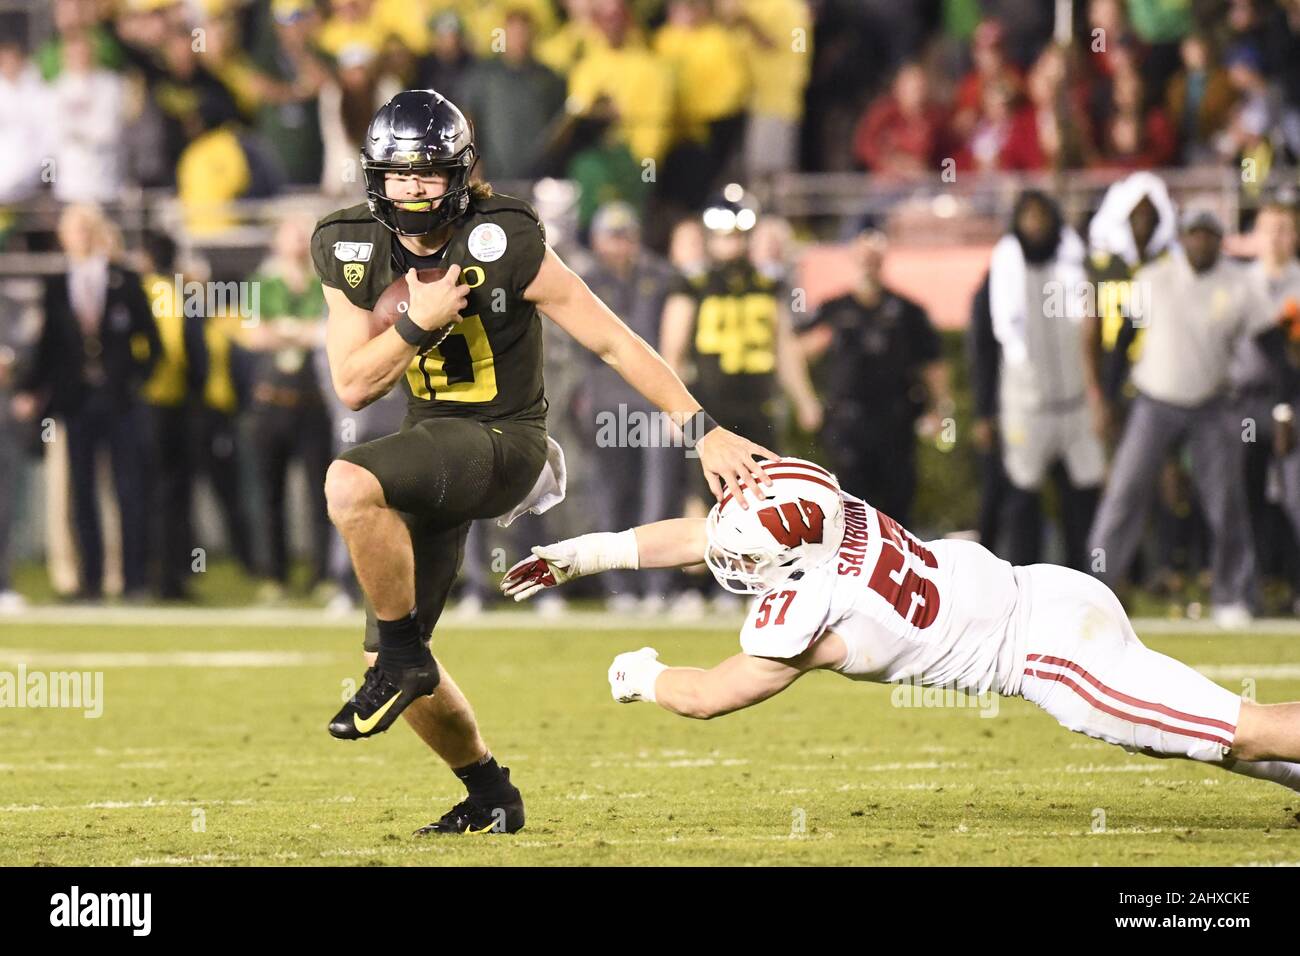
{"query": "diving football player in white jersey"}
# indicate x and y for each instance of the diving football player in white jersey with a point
(840, 586)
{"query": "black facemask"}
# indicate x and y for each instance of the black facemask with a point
(411, 223)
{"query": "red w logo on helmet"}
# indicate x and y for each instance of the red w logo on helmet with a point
(794, 524)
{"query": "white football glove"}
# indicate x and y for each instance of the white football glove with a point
(632, 676)
(554, 564)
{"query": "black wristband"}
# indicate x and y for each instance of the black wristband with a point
(411, 333)
(701, 424)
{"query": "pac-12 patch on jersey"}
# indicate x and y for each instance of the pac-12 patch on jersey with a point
(487, 242)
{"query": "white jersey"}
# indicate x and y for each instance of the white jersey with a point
(951, 614)
(933, 613)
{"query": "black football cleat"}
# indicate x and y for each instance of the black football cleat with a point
(501, 814)
(382, 698)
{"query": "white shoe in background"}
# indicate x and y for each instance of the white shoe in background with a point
(11, 602)
(726, 603)
(687, 606)
(623, 604)
(550, 606)
(1233, 617)
(340, 605)
(470, 605)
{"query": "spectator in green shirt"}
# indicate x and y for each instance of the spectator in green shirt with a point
(71, 18)
(288, 417)
(513, 101)
(1160, 21)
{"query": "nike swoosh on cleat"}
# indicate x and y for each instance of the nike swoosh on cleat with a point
(364, 726)
(486, 829)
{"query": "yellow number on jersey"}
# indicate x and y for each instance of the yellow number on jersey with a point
(740, 330)
(1115, 302)
(459, 369)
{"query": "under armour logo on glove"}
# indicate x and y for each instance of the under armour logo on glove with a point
(632, 675)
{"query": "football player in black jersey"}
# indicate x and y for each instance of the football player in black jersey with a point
(729, 329)
(468, 353)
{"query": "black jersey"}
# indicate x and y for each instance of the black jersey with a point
(734, 349)
(876, 357)
(490, 366)
(1118, 339)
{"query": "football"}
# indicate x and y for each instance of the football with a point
(395, 300)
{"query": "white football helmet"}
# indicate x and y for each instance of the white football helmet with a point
(797, 523)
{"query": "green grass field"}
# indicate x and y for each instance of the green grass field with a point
(223, 758)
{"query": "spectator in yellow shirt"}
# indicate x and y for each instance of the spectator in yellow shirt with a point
(710, 73)
(414, 22)
(176, 380)
(351, 23)
(485, 21)
(776, 36)
(621, 81)
(409, 21)
(216, 447)
(565, 46)
(373, 24)
(712, 85)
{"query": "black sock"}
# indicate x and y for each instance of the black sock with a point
(482, 778)
(400, 644)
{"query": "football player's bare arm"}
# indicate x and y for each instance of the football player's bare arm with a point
(559, 292)
(672, 543)
(367, 360)
(792, 372)
(363, 368)
(727, 458)
(738, 682)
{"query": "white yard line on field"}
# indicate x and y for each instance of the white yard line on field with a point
(568, 621)
(148, 804)
(104, 660)
(1244, 671)
(385, 852)
(1156, 626)
(151, 803)
(312, 618)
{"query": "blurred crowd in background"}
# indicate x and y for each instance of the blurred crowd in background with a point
(1094, 411)
(222, 99)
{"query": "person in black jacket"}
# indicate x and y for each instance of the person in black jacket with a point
(171, 397)
(883, 381)
(982, 353)
(96, 348)
(15, 345)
